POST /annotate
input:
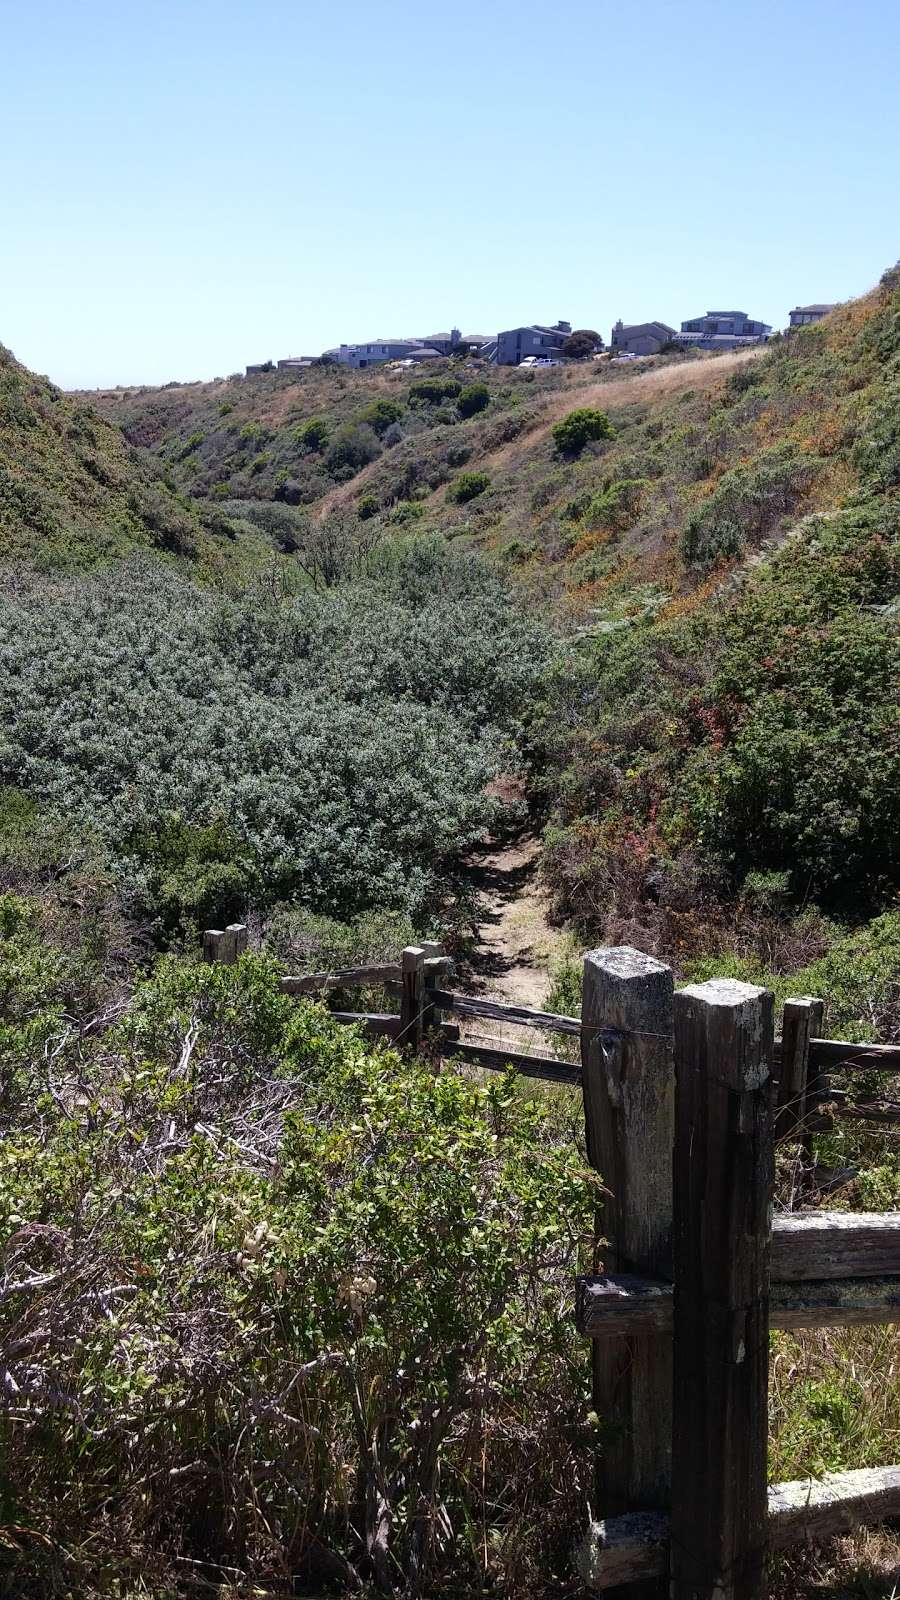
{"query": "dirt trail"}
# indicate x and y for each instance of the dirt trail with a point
(516, 945)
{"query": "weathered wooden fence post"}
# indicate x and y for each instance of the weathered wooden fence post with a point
(628, 1084)
(800, 1022)
(225, 944)
(432, 951)
(723, 1196)
(412, 997)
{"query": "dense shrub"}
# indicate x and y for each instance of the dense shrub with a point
(434, 390)
(380, 414)
(799, 768)
(877, 451)
(313, 434)
(352, 447)
(573, 432)
(468, 486)
(748, 504)
(474, 398)
(268, 1243)
(618, 506)
(134, 696)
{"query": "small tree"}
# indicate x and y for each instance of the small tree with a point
(313, 434)
(577, 429)
(337, 548)
(583, 342)
(380, 414)
(473, 399)
(467, 486)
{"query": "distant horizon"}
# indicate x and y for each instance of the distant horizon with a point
(192, 187)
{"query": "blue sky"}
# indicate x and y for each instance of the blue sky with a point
(186, 187)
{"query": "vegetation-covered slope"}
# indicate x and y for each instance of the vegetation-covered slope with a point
(269, 1278)
(73, 492)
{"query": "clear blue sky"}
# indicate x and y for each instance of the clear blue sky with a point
(186, 187)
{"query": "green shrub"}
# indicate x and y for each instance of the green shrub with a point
(283, 1246)
(352, 447)
(379, 414)
(798, 770)
(367, 506)
(280, 720)
(474, 398)
(313, 434)
(467, 486)
(618, 506)
(573, 432)
(748, 504)
(433, 390)
(195, 877)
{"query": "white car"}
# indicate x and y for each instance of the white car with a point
(539, 361)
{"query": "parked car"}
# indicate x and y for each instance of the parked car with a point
(540, 361)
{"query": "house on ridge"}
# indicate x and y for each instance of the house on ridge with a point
(537, 339)
(801, 316)
(639, 338)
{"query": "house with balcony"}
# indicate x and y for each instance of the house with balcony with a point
(723, 330)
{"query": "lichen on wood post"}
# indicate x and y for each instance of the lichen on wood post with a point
(723, 1195)
(628, 1087)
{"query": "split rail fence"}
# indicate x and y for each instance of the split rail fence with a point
(685, 1095)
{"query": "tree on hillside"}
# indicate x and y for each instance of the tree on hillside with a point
(573, 432)
(583, 342)
(337, 548)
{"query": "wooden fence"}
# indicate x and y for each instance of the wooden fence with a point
(685, 1094)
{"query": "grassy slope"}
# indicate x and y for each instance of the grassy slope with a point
(73, 491)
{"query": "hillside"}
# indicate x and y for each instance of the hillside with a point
(312, 652)
(721, 569)
(73, 491)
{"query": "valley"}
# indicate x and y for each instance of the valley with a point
(526, 661)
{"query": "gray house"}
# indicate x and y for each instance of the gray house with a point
(370, 355)
(723, 330)
(446, 343)
(802, 315)
(639, 338)
(538, 339)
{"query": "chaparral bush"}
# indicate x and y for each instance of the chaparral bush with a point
(340, 741)
(468, 486)
(279, 1302)
(573, 432)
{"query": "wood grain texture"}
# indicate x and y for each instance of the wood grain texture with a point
(724, 1176)
(609, 1306)
(627, 1549)
(827, 1053)
(799, 1022)
(811, 1245)
(628, 1088)
(496, 1060)
(467, 1006)
(412, 997)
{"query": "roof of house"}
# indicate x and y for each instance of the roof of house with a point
(646, 327)
(821, 309)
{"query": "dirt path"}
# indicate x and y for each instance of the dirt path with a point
(516, 945)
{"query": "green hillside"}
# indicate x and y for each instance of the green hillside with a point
(73, 491)
(720, 567)
(289, 649)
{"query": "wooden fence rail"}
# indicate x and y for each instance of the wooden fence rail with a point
(684, 1095)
